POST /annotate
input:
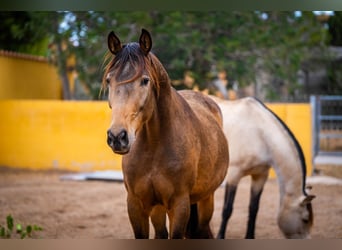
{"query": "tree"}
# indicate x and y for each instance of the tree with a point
(20, 32)
(84, 36)
(243, 43)
(335, 28)
(35, 33)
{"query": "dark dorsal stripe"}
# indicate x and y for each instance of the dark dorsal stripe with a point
(296, 143)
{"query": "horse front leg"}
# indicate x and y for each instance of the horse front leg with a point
(227, 210)
(179, 215)
(138, 217)
(258, 182)
(158, 218)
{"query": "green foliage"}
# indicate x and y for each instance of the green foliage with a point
(6, 232)
(23, 32)
(243, 43)
(335, 28)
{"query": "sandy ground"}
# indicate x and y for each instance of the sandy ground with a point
(97, 209)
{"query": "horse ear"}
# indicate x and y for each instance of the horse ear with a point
(145, 41)
(114, 44)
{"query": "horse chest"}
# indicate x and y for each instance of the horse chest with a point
(151, 188)
(156, 181)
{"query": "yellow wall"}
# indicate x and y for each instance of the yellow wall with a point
(56, 134)
(298, 118)
(22, 78)
(72, 135)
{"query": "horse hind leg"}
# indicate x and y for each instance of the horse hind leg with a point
(227, 210)
(257, 186)
(191, 230)
(200, 216)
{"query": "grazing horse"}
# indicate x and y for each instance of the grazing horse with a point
(175, 154)
(258, 139)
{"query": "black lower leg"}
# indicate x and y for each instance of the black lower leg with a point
(253, 211)
(191, 230)
(227, 209)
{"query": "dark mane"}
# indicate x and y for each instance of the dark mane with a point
(132, 54)
(295, 141)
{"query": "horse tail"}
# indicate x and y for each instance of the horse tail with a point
(192, 227)
(295, 141)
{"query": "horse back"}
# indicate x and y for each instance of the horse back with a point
(244, 123)
(202, 105)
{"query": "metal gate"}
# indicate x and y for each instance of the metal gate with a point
(327, 130)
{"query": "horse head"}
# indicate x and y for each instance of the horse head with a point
(296, 219)
(130, 79)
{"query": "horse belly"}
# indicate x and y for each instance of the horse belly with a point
(212, 166)
(213, 155)
(206, 185)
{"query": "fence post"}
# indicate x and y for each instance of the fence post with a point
(314, 132)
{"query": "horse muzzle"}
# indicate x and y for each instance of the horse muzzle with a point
(119, 142)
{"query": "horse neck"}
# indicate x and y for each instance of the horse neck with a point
(290, 178)
(287, 164)
(164, 104)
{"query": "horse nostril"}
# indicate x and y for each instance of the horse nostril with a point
(123, 138)
(118, 142)
(110, 138)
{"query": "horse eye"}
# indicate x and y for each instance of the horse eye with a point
(108, 81)
(144, 81)
(306, 221)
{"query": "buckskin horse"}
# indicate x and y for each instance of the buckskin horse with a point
(259, 139)
(175, 154)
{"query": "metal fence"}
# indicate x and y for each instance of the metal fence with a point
(327, 129)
